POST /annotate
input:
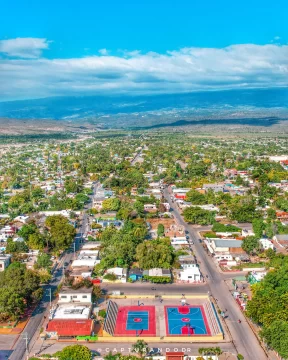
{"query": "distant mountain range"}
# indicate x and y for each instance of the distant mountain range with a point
(254, 107)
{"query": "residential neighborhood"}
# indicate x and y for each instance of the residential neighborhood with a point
(92, 228)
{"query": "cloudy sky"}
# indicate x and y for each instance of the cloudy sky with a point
(130, 47)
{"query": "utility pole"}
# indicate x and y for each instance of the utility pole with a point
(74, 248)
(26, 338)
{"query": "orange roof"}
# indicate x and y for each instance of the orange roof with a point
(174, 355)
(70, 327)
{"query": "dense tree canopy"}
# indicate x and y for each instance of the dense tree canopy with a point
(17, 286)
(155, 254)
(61, 232)
(268, 306)
(196, 215)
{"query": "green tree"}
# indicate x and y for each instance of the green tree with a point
(155, 254)
(61, 232)
(196, 215)
(74, 352)
(16, 247)
(250, 244)
(97, 292)
(27, 229)
(160, 230)
(44, 261)
(112, 204)
(37, 193)
(141, 348)
(17, 284)
(258, 227)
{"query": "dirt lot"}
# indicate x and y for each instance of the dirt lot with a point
(166, 222)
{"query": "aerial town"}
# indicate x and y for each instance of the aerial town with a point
(158, 245)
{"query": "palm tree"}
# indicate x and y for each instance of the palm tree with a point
(141, 348)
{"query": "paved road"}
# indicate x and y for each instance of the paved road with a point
(244, 339)
(103, 349)
(161, 289)
(42, 309)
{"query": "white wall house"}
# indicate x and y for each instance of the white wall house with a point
(68, 295)
(179, 240)
(266, 244)
(220, 257)
(191, 274)
(84, 262)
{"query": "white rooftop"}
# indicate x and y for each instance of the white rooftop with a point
(68, 311)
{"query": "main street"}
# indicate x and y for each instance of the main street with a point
(243, 337)
(161, 289)
(31, 330)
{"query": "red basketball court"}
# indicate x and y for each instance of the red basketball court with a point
(135, 321)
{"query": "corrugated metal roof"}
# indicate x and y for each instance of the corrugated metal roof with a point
(228, 243)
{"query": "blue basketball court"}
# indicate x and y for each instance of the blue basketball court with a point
(137, 320)
(186, 320)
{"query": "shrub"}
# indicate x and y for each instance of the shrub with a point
(102, 313)
(110, 277)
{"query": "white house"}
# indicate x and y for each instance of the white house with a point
(246, 232)
(266, 244)
(84, 262)
(83, 295)
(121, 273)
(150, 207)
(179, 240)
(18, 239)
(191, 274)
(21, 218)
(223, 256)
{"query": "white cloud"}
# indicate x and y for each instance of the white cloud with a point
(187, 69)
(103, 52)
(23, 47)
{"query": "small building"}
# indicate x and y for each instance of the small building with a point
(5, 260)
(247, 232)
(135, 274)
(187, 261)
(221, 245)
(80, 273)
(214, 187)
(91, 245)
(90, 263)
(190, 274)
(120, 273)
(83, 295)
(150, 207)
(266, 244)
(223, 256)
(158, 272)
(179, 240)
(62, 328)
(21, 218)
(282, 240)
(255, 277)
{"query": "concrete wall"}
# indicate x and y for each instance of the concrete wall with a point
(167, 339)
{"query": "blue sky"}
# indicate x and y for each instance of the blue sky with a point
(110, 31)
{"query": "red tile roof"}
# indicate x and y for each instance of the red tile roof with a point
(70, 327)
(174, 355)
